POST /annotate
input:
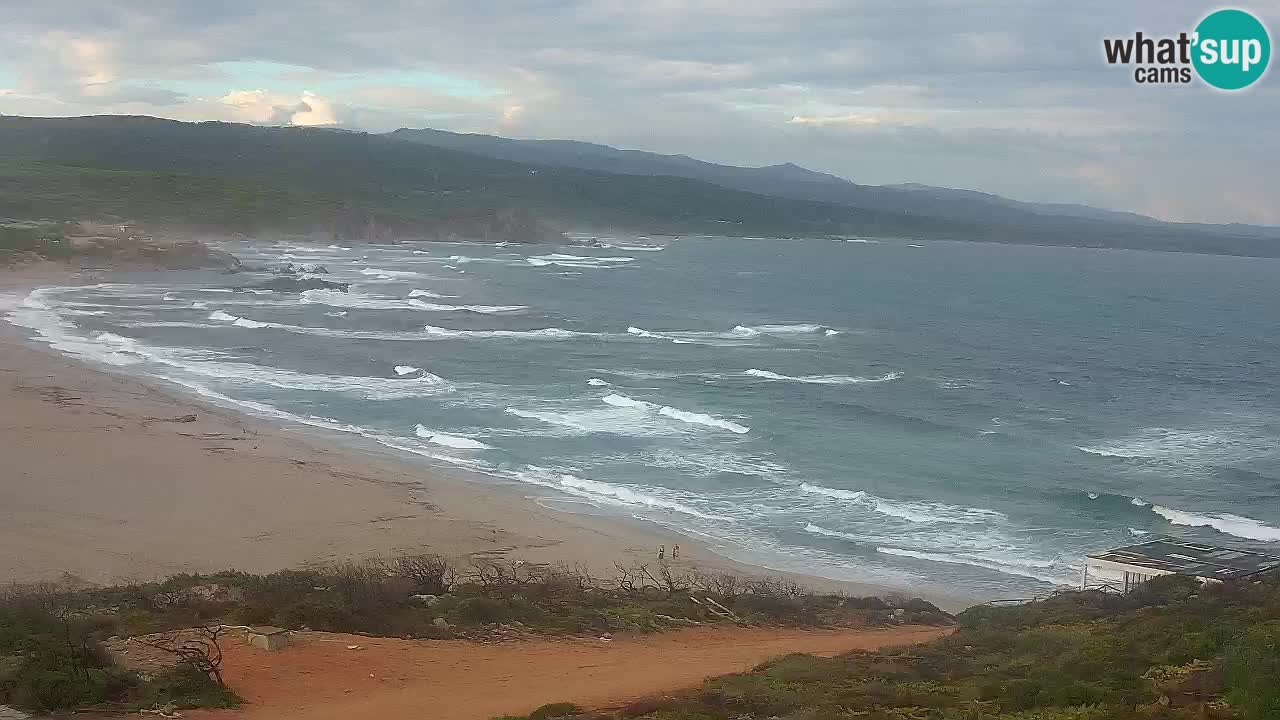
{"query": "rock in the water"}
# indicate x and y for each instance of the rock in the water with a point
(289, 283)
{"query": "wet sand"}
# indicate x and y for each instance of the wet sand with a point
(108, 478)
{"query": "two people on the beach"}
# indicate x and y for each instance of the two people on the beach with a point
(662, 552)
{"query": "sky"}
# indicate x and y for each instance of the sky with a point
(1006, 96)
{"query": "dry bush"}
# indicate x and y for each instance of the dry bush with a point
(429, 574)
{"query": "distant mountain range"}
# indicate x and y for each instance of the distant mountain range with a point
(786, 180)
(223, 177)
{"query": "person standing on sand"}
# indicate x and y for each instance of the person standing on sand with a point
(662, 552)
(675, 552)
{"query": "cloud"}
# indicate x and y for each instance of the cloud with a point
(854, 119)
(261, 106)
(1006, 97)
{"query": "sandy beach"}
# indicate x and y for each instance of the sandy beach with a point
(109, 479)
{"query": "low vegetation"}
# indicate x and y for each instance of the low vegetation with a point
(52, 658)
(1173, 650)
(51, 642)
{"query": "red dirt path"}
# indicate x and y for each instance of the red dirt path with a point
(318, 678)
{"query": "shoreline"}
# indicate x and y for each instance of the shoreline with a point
(260, 495)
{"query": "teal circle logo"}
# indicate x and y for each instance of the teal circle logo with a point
(1232, 48)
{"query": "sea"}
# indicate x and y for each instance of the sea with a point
(943, 417)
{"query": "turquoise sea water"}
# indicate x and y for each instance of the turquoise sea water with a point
(957, 418)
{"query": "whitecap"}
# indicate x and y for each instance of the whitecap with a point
(1238, 525)
(685, 416)
(406, 369)
(608, 493)
(910, 511)
(388, 274)
(453, 441)
(485, 309)
(597, 382)
(537, 334)
(426, 293)
(822, 379)
(976, 561)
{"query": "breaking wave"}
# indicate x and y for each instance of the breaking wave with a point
(1237, 525)
(911, 511)
(607, 493)
(453, 441)
(822, 379)
(685, 416)
(737, 335)
(540, 333)
(1002, 565)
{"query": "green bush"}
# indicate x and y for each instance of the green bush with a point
(553, 711)
(1253, 671)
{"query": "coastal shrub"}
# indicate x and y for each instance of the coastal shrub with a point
(553, 711)
(1253, 671)
(1073, 656)
(51, 660)
(483, 610)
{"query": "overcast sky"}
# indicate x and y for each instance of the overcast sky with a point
(1011, 97)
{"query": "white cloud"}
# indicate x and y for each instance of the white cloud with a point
(313, 110)
(850, 119)
(262, 106)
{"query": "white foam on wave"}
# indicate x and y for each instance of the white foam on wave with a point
(310, 249)
(606, 420)
(635, 248)
(196, 363)
(390, 274)
(596, 382)
(35, 312)
(978, 561)
(428, 332)
(737, 335)
(540, 333)
(453, 441)
(609, 493)
(406, 369)
(225, 317)
(1238, 525)
(415, 293)
(685, 416)
(822, 379)
(994, 557)
(485, 309)
(1185, 446)
(781, 329)
(908, 510)
(358, 300)
(364, 301)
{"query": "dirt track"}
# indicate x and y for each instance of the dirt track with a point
(320, 678)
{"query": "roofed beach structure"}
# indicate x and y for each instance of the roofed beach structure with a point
(1139, 563)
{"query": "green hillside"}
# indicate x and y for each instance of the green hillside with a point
(242, 178)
